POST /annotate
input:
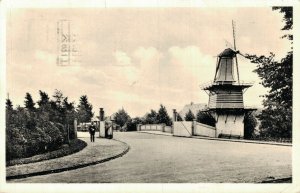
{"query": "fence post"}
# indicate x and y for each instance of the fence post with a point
(75, 128)
(174, 120)
(101, 117)
(174, 115)
(193, 127)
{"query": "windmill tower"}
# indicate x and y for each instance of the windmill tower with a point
(226, 102)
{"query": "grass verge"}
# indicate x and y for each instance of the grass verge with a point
(75, 146)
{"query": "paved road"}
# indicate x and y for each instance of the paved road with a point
(163, 159)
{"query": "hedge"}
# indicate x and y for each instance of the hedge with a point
(23, 142)
(74, 146)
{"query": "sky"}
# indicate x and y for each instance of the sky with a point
(136, 58)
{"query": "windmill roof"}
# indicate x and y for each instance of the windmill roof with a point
(228, 52)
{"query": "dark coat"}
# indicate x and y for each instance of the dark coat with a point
(92, 129)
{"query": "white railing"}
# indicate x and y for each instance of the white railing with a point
(211, 83)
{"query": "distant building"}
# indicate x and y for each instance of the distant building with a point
(193, 107)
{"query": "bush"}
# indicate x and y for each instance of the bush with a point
(24, 142)
(54, 135)
(206, 118)
(131, 124)
(31, 130)
(250, 123)
(74, 146)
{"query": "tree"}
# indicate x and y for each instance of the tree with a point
(189, 116)
(58, 97)
(9, 112)
(122, 117)
(287, 18)
(179, 118)
(276, 117)
(44, 99)
(131, 124)
(56, 109)
(206, 118)
(44, 110)
(84, 110)
(163, 117)
(31, 118)
(29, 104)
(9, 105)
(151, 118)
(276, 123)
(250, 123)
(69, 111)
(31, 131)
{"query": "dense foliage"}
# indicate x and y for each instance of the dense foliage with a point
(206, 118)
(189, 116)
(121, 117)
(250, 122)
(151, 118)
(131, 124)
(179, 118)
(159, 117)
(163, 117)
(32, 130)
(84, 110)
(276, 117)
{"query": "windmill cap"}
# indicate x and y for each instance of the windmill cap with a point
(228, 52)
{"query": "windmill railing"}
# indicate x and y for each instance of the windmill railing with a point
(212, 83)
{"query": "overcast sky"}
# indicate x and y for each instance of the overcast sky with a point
(136, 58)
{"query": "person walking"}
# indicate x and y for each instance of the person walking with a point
(92, 130)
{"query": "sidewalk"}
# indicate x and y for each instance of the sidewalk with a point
(220, 139)
(157, 133)
(100, 151)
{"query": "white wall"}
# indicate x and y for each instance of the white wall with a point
(183, 128)
(234, 125)
(168, 129)
(204, 130)
(152, 127)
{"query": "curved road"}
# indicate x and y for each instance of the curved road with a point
(163, 159)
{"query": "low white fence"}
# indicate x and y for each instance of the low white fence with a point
(155, 127)
(190, 128)
(204, 130)
(168, 129)
(183, 128)
(152, 127)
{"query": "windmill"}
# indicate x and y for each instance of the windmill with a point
(226, 102)
(229, 52)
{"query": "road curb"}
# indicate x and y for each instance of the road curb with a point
(279, 180)
(243, 141)
(220, 139)
(72, 167)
